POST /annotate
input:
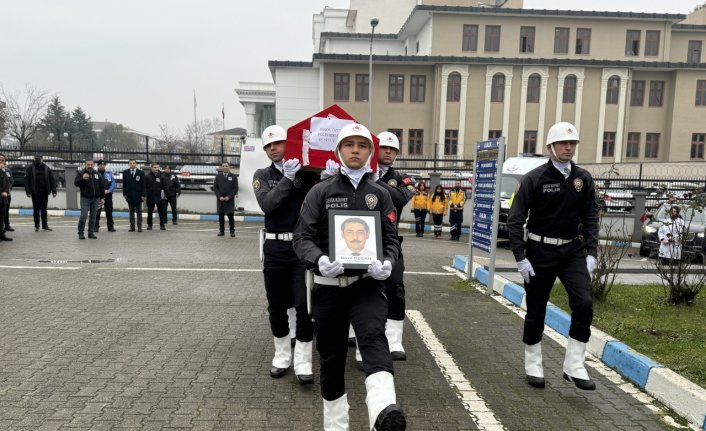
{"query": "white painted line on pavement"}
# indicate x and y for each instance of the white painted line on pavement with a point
(194, 269)
(38, 267)
(480, 414)
(426, 273)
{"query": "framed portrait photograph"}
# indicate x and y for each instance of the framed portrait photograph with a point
(355, 238)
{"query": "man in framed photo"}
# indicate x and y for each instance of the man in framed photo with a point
(342, 295)
(355, 233)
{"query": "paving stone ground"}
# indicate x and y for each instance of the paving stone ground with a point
(100, 339)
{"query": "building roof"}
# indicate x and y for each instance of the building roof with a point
(237, 131)
(687, 27)
(333, 34)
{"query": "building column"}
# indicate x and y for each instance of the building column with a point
(486, 104)
(601, 120)
(250, 113)
(559, 98)
(622, 102)
(462, 115)
(507, 98)
(542, 115)
(442, 116)
(523, 115)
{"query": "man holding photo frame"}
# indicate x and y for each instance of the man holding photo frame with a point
(351, 293)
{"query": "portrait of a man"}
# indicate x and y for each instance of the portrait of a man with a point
(354, 237)
(355, 233)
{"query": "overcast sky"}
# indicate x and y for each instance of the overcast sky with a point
(137, 62)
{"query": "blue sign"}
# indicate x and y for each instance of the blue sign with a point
(485, 184)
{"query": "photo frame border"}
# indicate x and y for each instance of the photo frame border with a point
(332, 234)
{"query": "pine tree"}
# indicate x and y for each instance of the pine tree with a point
(55, 123)
(81, 130)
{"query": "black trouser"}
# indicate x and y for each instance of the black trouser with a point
(362, 305)
(222, 222)
(438, 222)
(135, 207)
(286, 288)
(108, 205)
(6, 223)
(394, 287)
(3, 220)
(39, 205)
(420, 217)
(455, 220)
(161, 212)
(172, 201)
(568, 262)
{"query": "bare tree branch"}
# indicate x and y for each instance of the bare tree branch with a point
(24, 112)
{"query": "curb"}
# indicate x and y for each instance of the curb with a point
(686, 398)
(122, 214)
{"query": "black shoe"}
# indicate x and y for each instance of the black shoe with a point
(81, 236)
(398, 356)
(139, 229)
(221, 233)
(9, 229)
(112, 229)
(92, 236)
(536, 382)
(46, 228)
(149, 227)
(162, 227)
(276, 373)
(305, 379)
(391, 418)
(36, 228)
(586, 385)
(4, 238)
(232, 234)
(96, 229)
(132, 229)
(175, 222)
(351, 341)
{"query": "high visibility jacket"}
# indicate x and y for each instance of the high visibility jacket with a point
(421, 201)
(438, 206)
(457, 199)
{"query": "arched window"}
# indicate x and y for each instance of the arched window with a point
(613, 90)
(453, 88)
(570, 89)
(497, 92)
(533, 85)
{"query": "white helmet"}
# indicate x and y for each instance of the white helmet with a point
(389, 139)
(354, 129)
(562, 132)
(272, 134)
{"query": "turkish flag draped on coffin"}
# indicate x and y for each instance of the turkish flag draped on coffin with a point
(313, 140)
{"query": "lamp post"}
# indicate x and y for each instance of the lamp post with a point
(373, 23)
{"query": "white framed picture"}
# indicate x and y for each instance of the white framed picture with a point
(355, 238)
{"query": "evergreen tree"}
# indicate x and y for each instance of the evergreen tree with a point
(55, 123)
(81, 130)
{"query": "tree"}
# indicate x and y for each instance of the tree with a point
(115, 138)
(168, 140)
(81, 130)
(3, 119)
(24, 113)
(54, 124)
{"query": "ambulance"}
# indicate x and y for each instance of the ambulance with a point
(514, 168)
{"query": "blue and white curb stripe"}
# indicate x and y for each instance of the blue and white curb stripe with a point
(123, 214)
(686, 398)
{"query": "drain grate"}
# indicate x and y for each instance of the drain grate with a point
(78, 261)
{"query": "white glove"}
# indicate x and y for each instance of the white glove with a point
(379, 270)
(590, 264)
(290, 168)
(328, 268)
(331, 169)
(376, 175)
(525, 268)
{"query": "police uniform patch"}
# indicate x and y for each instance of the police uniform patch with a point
(578, 184)
(256, 184)
(371, 200)
(297, 182)
(392, 183)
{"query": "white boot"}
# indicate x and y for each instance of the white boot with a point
(336, 414)
(383, 411)
(393, 332)
(283, 357)
(533, 365)
(302, 362)
(292, 314)
(574, 369)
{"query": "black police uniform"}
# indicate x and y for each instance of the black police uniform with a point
(281, 200)
(557, 206)
(134, 193)
(172, 189)
(8, 175)
(361, 303)
(154, 192)
(401, 189)
(4, 201)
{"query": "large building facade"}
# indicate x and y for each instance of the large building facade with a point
(634, 84)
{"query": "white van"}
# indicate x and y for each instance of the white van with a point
(514, 168)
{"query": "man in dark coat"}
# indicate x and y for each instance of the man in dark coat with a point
(172, 189)
(134, 193)
(225, 186)
(4, 197)
(154, 192)
(8, 175)
(39, 183)
(92, 187)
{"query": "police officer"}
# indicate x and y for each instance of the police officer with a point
(172, 190)
(109, 182)
(225, 187)
(457, 198)
(134, 193)
(11, 180)
(280, 190)
(5, 185)
(341, 296)
(92, 187)
(154, 191)
(559, 197)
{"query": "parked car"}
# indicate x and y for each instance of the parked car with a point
(695, 225)
(198, 177)
(613, 199)
(18, 167)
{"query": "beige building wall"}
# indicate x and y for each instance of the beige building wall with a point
(687, 118)
(680, 44)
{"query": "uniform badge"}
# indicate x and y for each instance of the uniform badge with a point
(297, 182)
(371, 200)
(392, 183)
(578, 184)
(256, 184)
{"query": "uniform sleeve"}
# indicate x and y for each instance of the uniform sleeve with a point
(216, 189)
(463, 198)
(178, 184)
(306, 231)
(517, 218)
(662, 232)
(390, 243)
(589, 219)
(111, 188)
(52, 180)
(446, 205)
(78, 180)
(270, 198)
(234, 192)
(28, 178)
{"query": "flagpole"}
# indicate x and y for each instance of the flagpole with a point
(196, 126)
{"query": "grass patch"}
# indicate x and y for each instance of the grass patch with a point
(462, 285)
(640, 317)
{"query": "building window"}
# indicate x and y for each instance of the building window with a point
(613, 90)
(495, 134)
(656, 93)
(583, 41)
(632, 150)
(530, 144)
(701, 93)
(637, 93)
(341, 86)
(451, 142)
(416, 136)
(526, 39)
(417, 87)
(697, 145)
(561, 40)
(651, 145)
(652, 43)
(361, 87)
(396, 88)
(453, 87)
(694, 52)
(470, 38)
(569, 89)
(608, 144)
(632, 43)
(533, 85)
(492, 38)
(497, 89)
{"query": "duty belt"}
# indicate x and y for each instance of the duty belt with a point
(339, 281)
(286, 236)
(547, 240)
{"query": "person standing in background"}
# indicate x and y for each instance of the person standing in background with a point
(39, 184)
(172, 190)
(438, 207)
(225, 186)
(8, 175)
(420, 206)
(457, 198)
(109, 183)
(134, 193)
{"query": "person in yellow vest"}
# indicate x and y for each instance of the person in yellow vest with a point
(438, 207)
(420, 206)
(457, 198)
